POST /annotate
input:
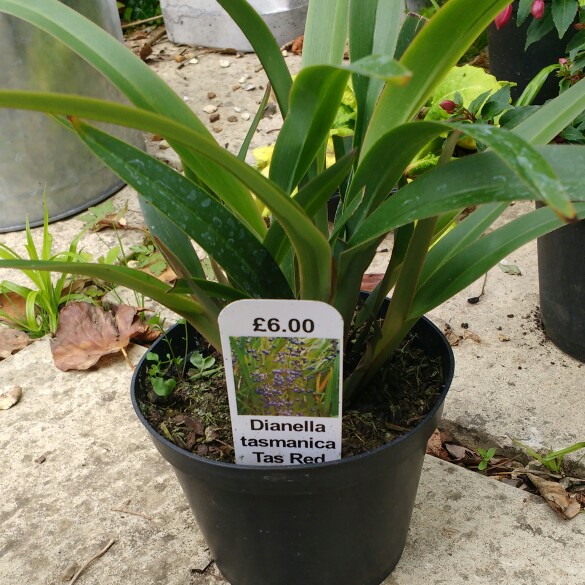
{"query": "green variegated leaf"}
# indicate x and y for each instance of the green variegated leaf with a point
(474, 180)
(246, 261)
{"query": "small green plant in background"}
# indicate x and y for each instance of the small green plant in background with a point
(132, 10)
(553, 460)
(486, 456)
(42, 303)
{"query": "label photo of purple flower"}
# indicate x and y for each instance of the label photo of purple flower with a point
(286, 376)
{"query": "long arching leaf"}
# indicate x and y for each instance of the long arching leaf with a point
(437, 48)
(474, 180)
(264, 45)
(477, 258)
(136, 280)
(246, 261)
(310, 245)
(131, 76)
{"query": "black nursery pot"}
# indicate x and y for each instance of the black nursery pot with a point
(561, 281)
(338, 523)
(509, 61)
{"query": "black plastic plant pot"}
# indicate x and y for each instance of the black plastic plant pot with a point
(510, 62)
(561, 280)
(338, 523)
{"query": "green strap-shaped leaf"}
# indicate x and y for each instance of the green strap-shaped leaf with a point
(264, 45)
(246, 261)
(476, 259)
(325, 44)
(373, 29)
(214, 290)
(463, 234)
(136, 280)
(310, 245)
(312, 197)
(433, 52)
(314, 101)
(139, 83)
(549, 120)
(384, 164)
(474, 180)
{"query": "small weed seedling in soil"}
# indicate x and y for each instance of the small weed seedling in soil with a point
(486, 457)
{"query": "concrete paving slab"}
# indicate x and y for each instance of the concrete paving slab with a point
(102, 479)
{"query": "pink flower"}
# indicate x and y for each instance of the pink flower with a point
(503, 17)
(563, 61)
(537, 9)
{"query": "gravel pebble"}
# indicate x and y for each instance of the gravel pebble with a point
(232, 119)
(211, 95)
(210, 109)
(243, 79)
(249, 87)
(194, 61)
(237, 109)
(224, 63)
(214, 117)
(245, 116)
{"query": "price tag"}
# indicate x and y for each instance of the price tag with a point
(283, 365)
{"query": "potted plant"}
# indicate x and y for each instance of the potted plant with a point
(528, 36)
(345, 521)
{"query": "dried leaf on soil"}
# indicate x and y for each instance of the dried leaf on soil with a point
(462, 455)
(12, 340)
(435, 447)
(9, 398)
(510, 269)
(86, 333)
(13, 308)
(556, 496)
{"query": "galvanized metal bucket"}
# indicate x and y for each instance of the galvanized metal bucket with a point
(205, 22)
(38, 157)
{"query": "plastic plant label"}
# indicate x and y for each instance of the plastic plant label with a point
(283, 366)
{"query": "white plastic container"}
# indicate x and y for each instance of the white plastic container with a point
(205, 23)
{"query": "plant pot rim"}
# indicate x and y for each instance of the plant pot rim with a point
(288, 469)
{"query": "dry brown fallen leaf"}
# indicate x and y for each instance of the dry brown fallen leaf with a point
(13, 308)
(297, 45)
(435, 447)
(12, 340)
(9, 398)
(556, 496)
(86, 333)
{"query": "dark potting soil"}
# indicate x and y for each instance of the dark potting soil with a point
(196, 416)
